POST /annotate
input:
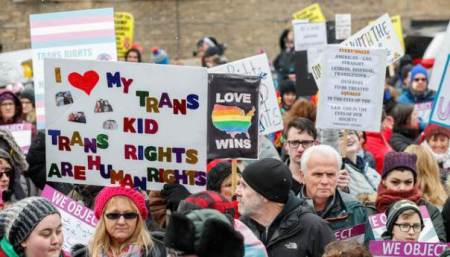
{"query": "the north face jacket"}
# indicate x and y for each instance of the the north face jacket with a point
(296, 231)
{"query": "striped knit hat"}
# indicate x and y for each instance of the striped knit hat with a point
(18, 221)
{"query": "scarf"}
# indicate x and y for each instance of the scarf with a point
(386, 197)
(129, 251)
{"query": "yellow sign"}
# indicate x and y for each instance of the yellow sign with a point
(397, 24)
(124, 25)
(313, 13)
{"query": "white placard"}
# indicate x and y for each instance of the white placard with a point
(441, 108)
(343, 25)
(270, 119)
(308, 34)
(138, 125)
(440, 61)
(351, 96)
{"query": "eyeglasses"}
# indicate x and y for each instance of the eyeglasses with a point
(420, 79)
(296, 143)
(406, 227)
(126, 215)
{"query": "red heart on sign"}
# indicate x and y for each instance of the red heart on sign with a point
(86, 82)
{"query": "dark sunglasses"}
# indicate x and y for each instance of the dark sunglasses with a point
(126, 215)
(8, 173)
(420, 79)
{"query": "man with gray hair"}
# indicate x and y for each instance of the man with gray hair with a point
(319, 167)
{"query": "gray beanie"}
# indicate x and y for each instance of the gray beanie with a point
(18, 221)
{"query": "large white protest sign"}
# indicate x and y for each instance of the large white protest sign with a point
(78, 221)
(440, 61)
(270, 119)
(138, 125)
(428, 234)
(441, 109)
(308, 34)
(343, 25)
(351, 96)
(378, 34)
(84, 34)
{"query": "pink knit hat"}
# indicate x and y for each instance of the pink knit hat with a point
(109, 192)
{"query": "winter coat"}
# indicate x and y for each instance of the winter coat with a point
(296, 231)
(343, 210)
(446, 218)
(363, 179)
(378, 144)
(409, 98)
(399, 141)
(435, 216)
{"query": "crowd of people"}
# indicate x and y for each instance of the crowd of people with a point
(310, 184)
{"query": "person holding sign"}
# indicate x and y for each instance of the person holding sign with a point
(320, 165)
(404, 222)
(399, 182)
(121, 229)
(31, 227)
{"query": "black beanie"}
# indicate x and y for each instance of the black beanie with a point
(270, 178)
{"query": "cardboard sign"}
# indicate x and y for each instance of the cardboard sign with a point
(305, 85)
(21, 133)
(440, 62)
(233, 116)
(313, 13)
(379, 34)
(137, 125)
(308, 34)
(428, 234)
(351, 95)
(343, 25)
(124, 26)
(78, 221)
(424, 110)
(397, 24)
(270, 119)
(354, 233)
(85, 34)
(441, 110)
(388, 248)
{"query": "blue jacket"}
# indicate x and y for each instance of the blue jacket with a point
(409, 98)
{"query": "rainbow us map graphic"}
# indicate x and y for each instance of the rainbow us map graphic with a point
(233, 116)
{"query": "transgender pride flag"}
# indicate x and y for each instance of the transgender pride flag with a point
(83, 34)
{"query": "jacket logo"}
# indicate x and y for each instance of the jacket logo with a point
(291, 245)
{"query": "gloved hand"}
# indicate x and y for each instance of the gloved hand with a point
(173, 194)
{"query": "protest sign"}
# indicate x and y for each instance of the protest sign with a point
(78, 221)
(21, 133)
(85, 34)
(14, 66)
(424, 110)
(351, 95)
(313, 13)
(305, 85)
(309, 34)
(379, 34)
(354, 233)
(389, 248)
(428, 234)
(137, 125)
(440, 62)
(233, 116)
(441, 109)
(397, 24)
(270, 119)
(343, 25)
(124, 26)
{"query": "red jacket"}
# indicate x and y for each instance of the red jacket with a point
(377, 143)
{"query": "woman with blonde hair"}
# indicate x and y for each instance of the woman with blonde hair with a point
(428, 177)
(121, 230)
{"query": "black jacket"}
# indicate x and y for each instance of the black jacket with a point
(446, 218)
(296, 231)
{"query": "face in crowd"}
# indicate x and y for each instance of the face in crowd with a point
(27, 105)
(132, 56)
(7, 109)
(351, 144)
(121, 219)
(5, 174)
(439, 143)
(249, 200)
(46, 239)
(297, 141)
(320, 176)
(419, 83)
(399, 180)
(407, 227)
(289, 98)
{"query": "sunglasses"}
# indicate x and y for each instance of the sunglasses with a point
(420, 79)
(8, 173)
(126, 215)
